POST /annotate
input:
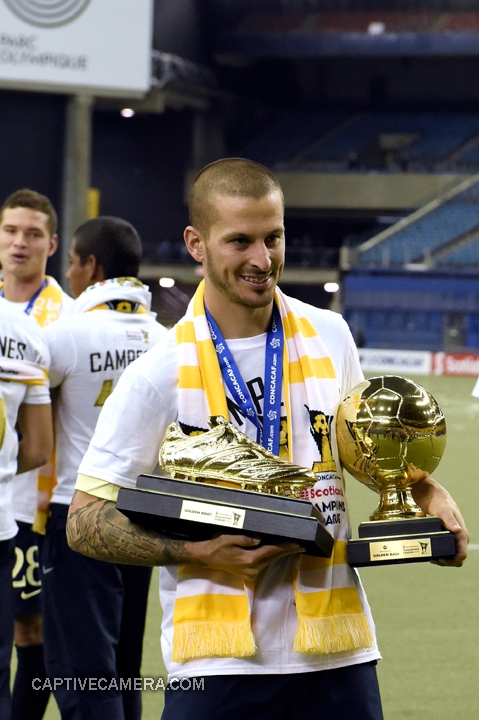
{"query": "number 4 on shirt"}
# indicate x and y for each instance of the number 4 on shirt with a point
(105, 392)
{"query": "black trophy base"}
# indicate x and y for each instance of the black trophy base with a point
(196, 511)
(390, 542)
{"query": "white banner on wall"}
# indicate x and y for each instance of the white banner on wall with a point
(420, 362)
(395, 362)
(97, 46)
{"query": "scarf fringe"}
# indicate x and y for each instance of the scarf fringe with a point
(327, 635)
(210, 639)
(40, 521)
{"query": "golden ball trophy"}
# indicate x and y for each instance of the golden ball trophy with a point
(220, 481)
(388, 428)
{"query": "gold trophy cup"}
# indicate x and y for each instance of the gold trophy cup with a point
(388, 428)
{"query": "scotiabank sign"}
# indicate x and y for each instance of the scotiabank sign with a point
(410, 362)
(444, 363)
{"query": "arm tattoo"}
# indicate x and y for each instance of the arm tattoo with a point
(100, 531)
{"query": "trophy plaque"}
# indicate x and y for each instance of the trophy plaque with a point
(389, 427)
(222, 482)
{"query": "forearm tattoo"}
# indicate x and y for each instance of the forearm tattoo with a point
(100, 531)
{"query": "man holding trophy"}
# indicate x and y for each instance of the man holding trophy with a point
(273, 632)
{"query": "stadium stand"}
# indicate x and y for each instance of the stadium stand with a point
(441, 134)
(421, 290)
(446, 223)
(460, 22)
(314, 140)
(284, 140)
(416, 284)
(412, 31)
(472, 331)
(416, 242)
(392, 21)
(464, 255)
(397, 309)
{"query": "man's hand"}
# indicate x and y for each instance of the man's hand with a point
(97, 529)
(36, 428)
(239, 554)
(434, 499)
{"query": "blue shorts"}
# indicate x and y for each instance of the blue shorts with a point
(348, 693)
(93, 622)
(26, 581)
(6, 623)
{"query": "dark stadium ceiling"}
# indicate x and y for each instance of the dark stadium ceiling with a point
(234, 8)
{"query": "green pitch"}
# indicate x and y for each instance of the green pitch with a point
(427, 617)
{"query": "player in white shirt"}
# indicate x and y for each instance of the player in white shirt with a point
(94, 612)
(230, 599)
(24, 403)
(28, 238)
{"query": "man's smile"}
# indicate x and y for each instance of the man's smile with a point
(258, 280)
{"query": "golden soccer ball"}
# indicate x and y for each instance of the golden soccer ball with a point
(387, 428)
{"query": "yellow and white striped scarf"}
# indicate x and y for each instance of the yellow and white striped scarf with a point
(45, 310)
(48, 303)
(21, 371)
(122, 294)
(24, 371)
(212, 610)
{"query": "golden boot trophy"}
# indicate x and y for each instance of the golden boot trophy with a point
(221, 481)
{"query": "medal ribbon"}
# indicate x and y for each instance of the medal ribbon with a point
(30, 305)
(267, 432)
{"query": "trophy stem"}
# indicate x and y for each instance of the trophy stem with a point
(395, 503)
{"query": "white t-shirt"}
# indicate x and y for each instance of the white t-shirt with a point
(89, 353)
(25, 485)
(126, 444)
(20, 339)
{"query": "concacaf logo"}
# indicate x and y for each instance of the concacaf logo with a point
(47, 13)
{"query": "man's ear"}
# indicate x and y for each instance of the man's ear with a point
(53, 245)
(194, 243)
(97, 273)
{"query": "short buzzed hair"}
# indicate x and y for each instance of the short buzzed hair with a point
(233, 177)
(114, 242)
(34, 201)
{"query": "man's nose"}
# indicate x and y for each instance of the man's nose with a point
(20, 239)
(260, 256)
